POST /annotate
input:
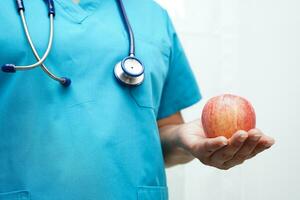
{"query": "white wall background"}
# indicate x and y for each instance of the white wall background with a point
(250, 48)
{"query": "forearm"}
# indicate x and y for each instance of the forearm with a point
(172, 149)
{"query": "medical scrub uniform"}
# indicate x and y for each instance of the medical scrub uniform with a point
(97, 139)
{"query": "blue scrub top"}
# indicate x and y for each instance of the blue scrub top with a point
(97, 139)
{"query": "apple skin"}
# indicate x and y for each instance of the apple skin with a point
(226, 114)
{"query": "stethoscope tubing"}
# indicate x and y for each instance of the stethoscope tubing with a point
(50, 42)
(129, 29)
(40, 60)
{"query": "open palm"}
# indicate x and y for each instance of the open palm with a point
(221, 152)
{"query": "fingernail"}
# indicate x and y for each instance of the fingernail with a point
(224, 143)
(255, 138)
(242, 136)
(268, 145)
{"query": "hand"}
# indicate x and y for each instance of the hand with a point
(221, 152)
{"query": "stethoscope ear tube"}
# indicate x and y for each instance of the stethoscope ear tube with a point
(20, 5)
(8, 68)
(51, 8)
(11, 68)
(66, 82)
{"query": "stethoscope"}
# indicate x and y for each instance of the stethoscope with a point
(129, 71)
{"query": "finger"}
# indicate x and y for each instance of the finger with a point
(264, 143)
(208, 146)
(227, 153)
(248, 147)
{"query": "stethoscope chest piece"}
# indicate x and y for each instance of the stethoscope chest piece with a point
(130, 71)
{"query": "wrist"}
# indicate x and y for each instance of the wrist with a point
(180, 144)
(181, 140)
(176, 138)
(172, 138)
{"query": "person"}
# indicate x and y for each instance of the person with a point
(97, 138)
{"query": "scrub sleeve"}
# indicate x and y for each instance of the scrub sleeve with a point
(180, 89)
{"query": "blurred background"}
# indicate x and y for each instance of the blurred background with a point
(250, 48)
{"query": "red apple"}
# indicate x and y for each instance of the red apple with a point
(224, 115)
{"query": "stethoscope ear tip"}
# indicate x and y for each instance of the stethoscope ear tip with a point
(66, 82)
(8, 68)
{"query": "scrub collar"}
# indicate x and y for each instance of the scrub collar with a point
(81, 10)
(88, 5)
